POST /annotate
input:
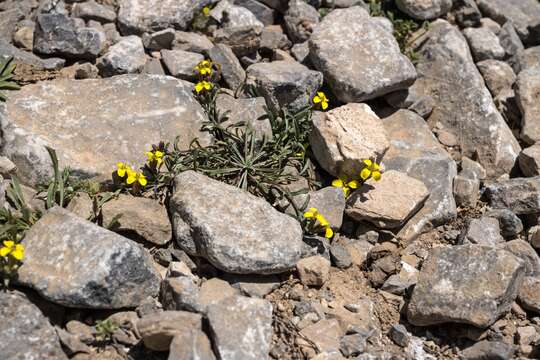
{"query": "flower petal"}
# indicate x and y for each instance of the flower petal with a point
(328, 232)
(4, 251)
(142, 180)
(18, 253)
(376, 175)
(324, 105)
(9, 243)
(368, 162)
(365, 173)
(353, 184)
(317, 100)
(337, 183)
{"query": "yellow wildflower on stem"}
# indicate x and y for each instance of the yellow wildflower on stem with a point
(122, 169)
(203, 86)
(347, 186)
(136, 178)
(204, 67)
(206, 10)
(313, 214)
(11, 249)
(155, 157)
(321, 100)
(372, 170)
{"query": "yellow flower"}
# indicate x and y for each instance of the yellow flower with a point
(313, 213)
(203, 86)
(204, 67)
(206, 11)
(346, 186)
(122, 169)
(155, 156)
(136, 177)
(10, 248)
(321, 99)
(372, 170)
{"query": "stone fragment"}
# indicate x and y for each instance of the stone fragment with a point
(314, 270)
(484, 44)
(231, 69)
(243, 41)
(511, 42)
(498, 75)
(521, 195)
(495, 350)
(125, 57)
(529, 161)
(159, 40)
(483, 231)
(424, 9)
(529, 294)
(181, 64)
(234, 230)
(399, 335)
(524, 251)
(300, 20)
(264, 13)
(466, 191)
(91, 10)
(157, 330)
(191, 345)
(528, 99)
(247, 111)
(468, 284)
(324, 335)
(191, 41)
(509, 222)
(387, 203)
(359, 58)
(76, 263)
(467, 13)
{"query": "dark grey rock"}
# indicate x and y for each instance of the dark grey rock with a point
(340, 256)
(243, 40)
(231, 69)
(483, 231)
(469, 284)
(398, 333)
(352, 345)
(57, 35)
(76, 263)
(249, 237)
(159, 40)
(521, 195)
(492, 350)
(528, 100)
(509, 223)
(191, 41)
(300, 20)
(90, 10)
(467, 13)
(125, 57)
(526, 253)
(510, 40)
(25, 58)
(180, 293)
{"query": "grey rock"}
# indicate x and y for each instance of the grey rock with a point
(285, 83)
(521, 195)
(191, 345)
(27, 333)
(467, 13)
(206, 222)
(424, 9)
(181, 293)
(510, 40)
(153, 67)
(415, 151)
(76, 263)
(241, 328)
(344, 137)
(379, 203)
(139, 218)
(300, 20)
(524, 251)
(24, 37)
(148, 115)
(469, 284)
(471, 116)
(529, 161)
(10, 17)
(527, 59)
(411, 100)
(181, 64)
(264, 13)
(493, 350)
(90, 10)
(248, 111)
(472, 170)
(231, 69)
(313, 270)
(398, 333)
(533, 236)
(330, 202)
(254, 285)
(498, 75)
(529, 294)
(300, 52)
(24, 58)
(524, 14)
(466, 191)
(159, 40)
(238, 16)
(528, 99)
(483, 231)
(324, 335)
(490, 25)
(157, 330)
(57, 35)
(86, 71)
(139, 16)
(375, 66)
(125, 57)
(273, 39)
(190, 41)
(509, 223)
(352, 345)
(71, 343)
(243, 41)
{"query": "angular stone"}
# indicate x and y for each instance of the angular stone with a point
(527, 59)
(300, 20)
(345, 136)
(243, 41)
(241, 328)
(524, 251)
(494, 350)
(524, 14)
(159, 40)
(484, 44)
(529, 294)
(529, 161)
(415, 150)
(424, 9)
(190, 41)
(157, 108)
(91, 10)
(24, 37)
(191, 345)
(469, 284)
(521, 195)
(57, 35)
(231, 69)
(324, 335)
(138, 217)
(26, 332)
(139, 16)
(181, 64)
(234, 230)
(510, 41)
(498, 76)
(483, 231)
(248, 111)
(254, 285)
(528, 99)
(285, 83)
(467, 13)
(181, 293)
(330, 202)
(509, 223)
(125, 57)
(314, 270)
(469, 115)
(76, 263)
(157, 330)
(238, 16)
(264, 13)
(466, 191)
(360, 60)
(387, 203)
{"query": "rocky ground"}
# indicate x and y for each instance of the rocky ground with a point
(254, 179)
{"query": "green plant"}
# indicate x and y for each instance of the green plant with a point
(105, 329)
(15, 221)
(6, 73)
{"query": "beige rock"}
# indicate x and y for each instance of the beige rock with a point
(528, 99)
(137, 216)
(529, 294)
(191, 345)
(343, 137)
(389, 202)
(324, 334)
(215, 290)
(314, 270)
(81, 205)
(157, 330)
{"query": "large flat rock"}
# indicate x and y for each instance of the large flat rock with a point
(95, 123)
(463, 104)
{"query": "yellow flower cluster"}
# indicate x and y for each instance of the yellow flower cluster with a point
(320, 100)
(16, 251)
(129, 175)
(204, 69)
(314, 214)
(206, 10)
(155, 157)
(371, 170)
(203, 86)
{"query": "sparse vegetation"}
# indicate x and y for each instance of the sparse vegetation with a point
(6, 74)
